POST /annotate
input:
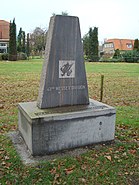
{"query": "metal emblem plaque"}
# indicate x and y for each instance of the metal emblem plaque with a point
(66, 69)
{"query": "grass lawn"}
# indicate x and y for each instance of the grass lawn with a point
(117, 163)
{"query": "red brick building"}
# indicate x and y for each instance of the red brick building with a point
(111, 45)
(4, 36)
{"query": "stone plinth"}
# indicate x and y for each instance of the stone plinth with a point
(46, 131)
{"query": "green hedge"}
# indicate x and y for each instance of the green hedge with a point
(4, 56)
(21, 56)
(127, 56)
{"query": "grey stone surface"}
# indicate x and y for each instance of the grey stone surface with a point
(63, 78)
(46, 131)
(28, 159)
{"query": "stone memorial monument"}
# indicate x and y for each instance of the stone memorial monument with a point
(63, 116)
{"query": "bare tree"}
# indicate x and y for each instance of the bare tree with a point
(38, 41)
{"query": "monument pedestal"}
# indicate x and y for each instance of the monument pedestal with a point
(46, 131)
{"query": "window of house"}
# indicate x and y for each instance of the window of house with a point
(2, 50)
(129, 45)
(109, 45)
(2, 44)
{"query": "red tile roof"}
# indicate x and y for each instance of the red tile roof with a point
(122, 44)
(4, 22)
(4, 29)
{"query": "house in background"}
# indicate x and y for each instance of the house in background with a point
(111, 45)
(4, 36)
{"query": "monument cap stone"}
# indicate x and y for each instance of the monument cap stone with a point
(63, 78)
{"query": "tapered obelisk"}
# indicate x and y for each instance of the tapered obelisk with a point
(63, 78)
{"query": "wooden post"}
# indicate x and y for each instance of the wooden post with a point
(101, 89)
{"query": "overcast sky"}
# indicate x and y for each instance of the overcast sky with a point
(114, 18)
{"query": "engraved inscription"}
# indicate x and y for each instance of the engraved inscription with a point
(66, 88)
(66, 69)
(40, 113)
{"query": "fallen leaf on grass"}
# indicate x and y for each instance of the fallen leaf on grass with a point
(69, 170)
(132, 151)
(108, 157)
(83, 180)
(98, 163)
(126, 173)
(53, 171)
(124, 154)
(3, 163)
(116, 157)
(6, 158)
(1, 106)
(56, 179)
(83, 167)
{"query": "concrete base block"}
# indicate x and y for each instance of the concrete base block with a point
(47, 131)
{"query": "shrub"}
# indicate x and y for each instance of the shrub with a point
(85, 58)
(5, 56)
(131, 56)
(21, 56)
(117, 54)
(127, 56)
(0, 57)
(111, 60)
